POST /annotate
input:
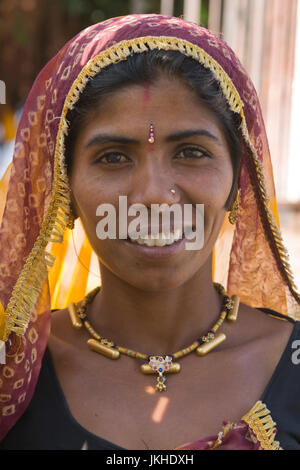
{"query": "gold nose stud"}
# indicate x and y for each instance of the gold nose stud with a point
(172, 191)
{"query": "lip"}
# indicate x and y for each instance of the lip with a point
(157, 251)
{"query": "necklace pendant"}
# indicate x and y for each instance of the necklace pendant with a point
(160, 365)
(161, 386)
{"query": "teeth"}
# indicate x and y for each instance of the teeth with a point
(162, 239)
(177, 234)
(144, 241)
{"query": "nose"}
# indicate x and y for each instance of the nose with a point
(152, 184)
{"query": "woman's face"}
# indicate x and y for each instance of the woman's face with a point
(197, 166)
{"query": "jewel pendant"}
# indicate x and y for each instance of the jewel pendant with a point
(160, 365)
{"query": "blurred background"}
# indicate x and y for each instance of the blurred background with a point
(265, 34)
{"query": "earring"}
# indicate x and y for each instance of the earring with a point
(235, 208)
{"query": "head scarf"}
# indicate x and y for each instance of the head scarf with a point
(39, 268)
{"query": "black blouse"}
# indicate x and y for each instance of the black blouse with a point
(44, 427)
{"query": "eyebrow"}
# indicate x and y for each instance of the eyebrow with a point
(101, 139)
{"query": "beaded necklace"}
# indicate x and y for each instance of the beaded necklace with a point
(156, 364)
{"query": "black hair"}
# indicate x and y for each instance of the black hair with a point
(147, 67)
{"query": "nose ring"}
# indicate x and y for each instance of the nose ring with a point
(172, 191)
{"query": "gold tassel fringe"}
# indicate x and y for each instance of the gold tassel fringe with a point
(261, 423)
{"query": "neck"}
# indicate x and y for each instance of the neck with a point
(157, 322)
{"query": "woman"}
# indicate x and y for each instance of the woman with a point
(97, 126)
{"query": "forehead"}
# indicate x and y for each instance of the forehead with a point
(169, 103)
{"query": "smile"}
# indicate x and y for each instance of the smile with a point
(158, 247)
(161, 240)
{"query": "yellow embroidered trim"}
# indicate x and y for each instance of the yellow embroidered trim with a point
(261, 423)
(34, 272)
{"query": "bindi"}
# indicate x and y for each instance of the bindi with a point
(151, 138)
(146, 99)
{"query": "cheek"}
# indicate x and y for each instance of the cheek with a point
(210, 186)
(90, 190)
(89, 193)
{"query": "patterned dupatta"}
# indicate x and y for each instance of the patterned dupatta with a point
(39, 268)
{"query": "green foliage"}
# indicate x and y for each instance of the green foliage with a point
(96, 10)
(31, 36)
(204, 13)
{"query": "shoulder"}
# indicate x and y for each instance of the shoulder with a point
(258, 323)
(260, 335)
(63, 336)
(65, 340)
(60, 321)
(282, 350)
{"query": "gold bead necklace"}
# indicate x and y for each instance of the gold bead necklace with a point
(156, 364)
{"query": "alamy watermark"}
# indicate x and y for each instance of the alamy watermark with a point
(187, 223)
(2, 92)
(296, 354)
(2, 352)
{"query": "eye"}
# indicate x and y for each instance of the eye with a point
(112, 158)
(192, 153)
